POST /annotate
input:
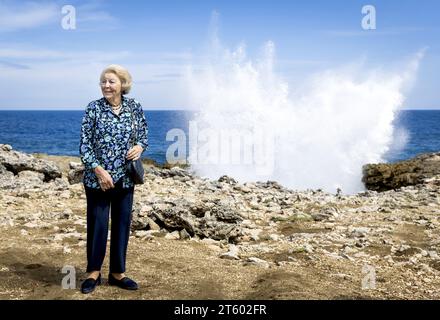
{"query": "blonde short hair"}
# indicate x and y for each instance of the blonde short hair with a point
(123, 75)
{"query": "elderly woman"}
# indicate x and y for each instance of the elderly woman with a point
(106, 147)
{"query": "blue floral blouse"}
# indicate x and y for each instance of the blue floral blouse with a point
(106, 139)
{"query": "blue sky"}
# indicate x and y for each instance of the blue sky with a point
(43, 66)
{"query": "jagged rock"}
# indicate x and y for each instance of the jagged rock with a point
(226, 214)
(141, 233)
(382, 177)
(204, 219)
(183, 234)
(360, 232)
(227, 179)
(177, 171)
(325, 214)
(7, 178)
(5, 147)
(60, 184)
(76, 172)
(31, 177)
(218, 230)
(153, 225)
(242, 188)
(4, 171)
(75, 165)
(433, 255)
(174, 172)
(15, 162)
(173, 235)
(200, 209)
(176, 218)
(270, 184)
(141, 221)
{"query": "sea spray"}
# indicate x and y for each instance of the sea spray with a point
(252, 127)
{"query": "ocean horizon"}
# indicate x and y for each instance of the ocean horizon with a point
(56, 132)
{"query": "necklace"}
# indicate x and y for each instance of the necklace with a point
(117, 109)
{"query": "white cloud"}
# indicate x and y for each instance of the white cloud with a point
(26, 15)
(91, 17)
(43, 78)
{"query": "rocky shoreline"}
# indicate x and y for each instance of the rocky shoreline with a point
(253, 241)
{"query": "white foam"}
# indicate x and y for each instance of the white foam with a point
(323, 132)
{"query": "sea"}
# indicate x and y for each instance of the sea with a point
(57, 132)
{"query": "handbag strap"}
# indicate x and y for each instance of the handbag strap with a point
(134, 133)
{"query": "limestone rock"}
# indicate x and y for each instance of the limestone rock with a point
(257, 262)
(228, 180)
(232, 254)
(15, 162)
(76, 172)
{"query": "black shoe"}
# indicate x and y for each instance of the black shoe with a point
(90, 284)
(124, 283)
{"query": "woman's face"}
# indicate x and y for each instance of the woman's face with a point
(111, 86)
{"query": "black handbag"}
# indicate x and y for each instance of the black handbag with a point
(135, 168)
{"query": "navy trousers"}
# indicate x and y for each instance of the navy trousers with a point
(120, 201)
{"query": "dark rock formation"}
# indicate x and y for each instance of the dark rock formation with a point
(219, 222)
(382, 177)
(175, 172)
